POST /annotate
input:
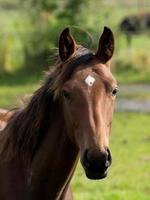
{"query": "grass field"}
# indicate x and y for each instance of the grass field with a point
(14, 87)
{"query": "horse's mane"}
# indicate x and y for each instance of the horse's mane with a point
(27, 126)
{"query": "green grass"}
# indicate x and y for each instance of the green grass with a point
(129, 175)
(135, 95)
(131, 65)
(14, 87)
(130, 76)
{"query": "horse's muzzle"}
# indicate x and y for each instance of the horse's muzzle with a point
(96, 163)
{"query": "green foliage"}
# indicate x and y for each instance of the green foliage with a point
(30, 31)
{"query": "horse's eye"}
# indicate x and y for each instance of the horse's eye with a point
(66, 94)
(114, 92)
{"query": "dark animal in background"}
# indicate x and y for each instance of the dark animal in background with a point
(68, 117)
(135, 24)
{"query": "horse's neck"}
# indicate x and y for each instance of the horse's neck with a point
(52, 165)
(55, 161)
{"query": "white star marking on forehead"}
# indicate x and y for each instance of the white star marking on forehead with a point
(89, 80)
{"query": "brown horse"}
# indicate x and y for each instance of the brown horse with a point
(68, 117)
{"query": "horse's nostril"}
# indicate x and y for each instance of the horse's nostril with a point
(109, 158)
(86, 159)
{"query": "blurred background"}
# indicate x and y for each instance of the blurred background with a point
(29, 32)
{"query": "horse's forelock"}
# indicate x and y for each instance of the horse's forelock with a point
(65, 70)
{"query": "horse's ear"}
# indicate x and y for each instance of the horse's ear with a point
(66, 45)
(106, 45)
